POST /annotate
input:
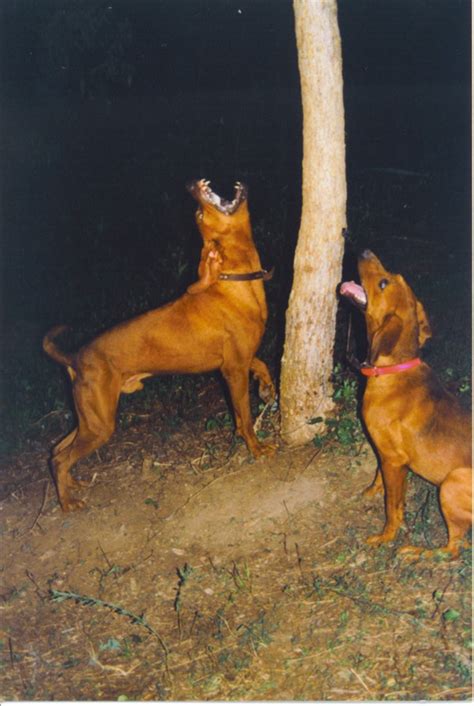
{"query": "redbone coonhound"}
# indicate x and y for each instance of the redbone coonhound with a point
(217, 324)
(414, 422)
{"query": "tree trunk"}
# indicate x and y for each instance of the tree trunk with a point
(306, 390)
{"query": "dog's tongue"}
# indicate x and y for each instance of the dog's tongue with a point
(354, 291)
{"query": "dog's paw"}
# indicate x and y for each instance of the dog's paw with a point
(376, 539)
(78, 484)
(267, 393)
(264, 450)
(411, 552)
(409, 549)
(71, 504)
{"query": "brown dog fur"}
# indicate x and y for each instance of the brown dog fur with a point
(413, 421)
(215, 325)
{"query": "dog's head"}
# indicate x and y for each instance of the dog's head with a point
(396, 320)
(215, 215)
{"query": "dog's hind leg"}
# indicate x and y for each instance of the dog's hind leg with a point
(67, 441)
(61, 446)
(455, 497)
(96, 408)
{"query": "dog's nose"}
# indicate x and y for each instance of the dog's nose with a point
(366, 254)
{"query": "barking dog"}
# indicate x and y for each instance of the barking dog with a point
(217, 324)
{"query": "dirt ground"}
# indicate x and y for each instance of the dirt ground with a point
(197, 574)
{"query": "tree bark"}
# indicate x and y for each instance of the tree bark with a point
(306, 390)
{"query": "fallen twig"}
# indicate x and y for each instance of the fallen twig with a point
(359, 678)
(53, 413)
(60, 596)
(259, 419)
(45, 497)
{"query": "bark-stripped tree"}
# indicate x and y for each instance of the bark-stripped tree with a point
(306, 391)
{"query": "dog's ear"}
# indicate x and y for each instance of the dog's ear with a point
(424, 328)
(385, 337)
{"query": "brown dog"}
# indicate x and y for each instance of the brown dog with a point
(217, 324)
(414, 422)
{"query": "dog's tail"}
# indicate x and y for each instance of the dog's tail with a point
(53, 351)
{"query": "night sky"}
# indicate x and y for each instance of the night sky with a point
(215, 43)
(93, 173)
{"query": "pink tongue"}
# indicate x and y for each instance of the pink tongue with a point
(351, 289)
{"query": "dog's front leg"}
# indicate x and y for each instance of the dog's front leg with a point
(394, 479)
(237, 379)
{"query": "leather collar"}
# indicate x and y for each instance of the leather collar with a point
(247, 276)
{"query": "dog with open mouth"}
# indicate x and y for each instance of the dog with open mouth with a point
(414, 422)
(217, 324)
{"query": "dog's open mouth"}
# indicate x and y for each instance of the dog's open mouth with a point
(203, 193)
(355, 293)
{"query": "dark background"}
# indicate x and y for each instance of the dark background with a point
(107, 109)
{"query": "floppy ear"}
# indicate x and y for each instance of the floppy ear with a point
(385, 337)
(424, 328)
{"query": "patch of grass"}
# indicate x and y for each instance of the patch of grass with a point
(242, 577)
(461, 667)
(257, 633)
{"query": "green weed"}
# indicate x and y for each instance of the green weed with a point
(242, 577)
(257, 633)
(183, 575)
(222, 420)
(112, 644)
(343, 430)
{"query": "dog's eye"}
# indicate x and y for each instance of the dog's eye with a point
(383, 283)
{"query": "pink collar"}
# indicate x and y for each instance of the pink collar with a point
(374, 371)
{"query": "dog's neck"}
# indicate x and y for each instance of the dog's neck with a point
(235, 257)
(396, 357)
(402, 357)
